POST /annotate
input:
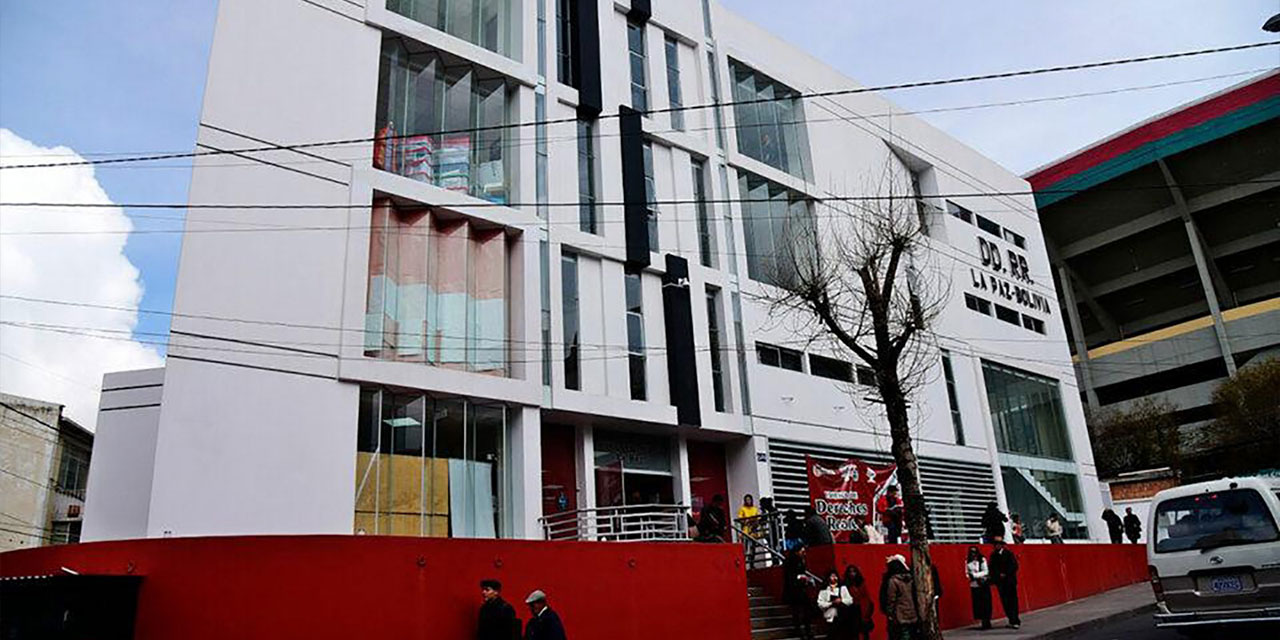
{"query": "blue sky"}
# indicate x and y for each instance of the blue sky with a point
(128, 76)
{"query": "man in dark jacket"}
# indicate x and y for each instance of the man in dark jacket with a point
(1114, 526)
(1004, 574)
(816, 531)
(544, 624)
(1132, 525)
(497, 619)
(712, 522)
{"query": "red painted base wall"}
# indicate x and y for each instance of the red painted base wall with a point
(318, 587)
(1047, 575)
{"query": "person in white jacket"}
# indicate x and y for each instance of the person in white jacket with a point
(979, 586)
(834, 600)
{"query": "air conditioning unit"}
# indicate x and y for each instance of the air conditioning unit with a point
(73, 511)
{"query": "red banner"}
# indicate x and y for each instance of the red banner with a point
(841, 494)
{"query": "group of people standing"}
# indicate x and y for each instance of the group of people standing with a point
(1129, 527)
(993, 525)
(497, 619)
(1001, 572)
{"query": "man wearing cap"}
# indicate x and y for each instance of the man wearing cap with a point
(544, 624)
(1004, 574)
(497, 619)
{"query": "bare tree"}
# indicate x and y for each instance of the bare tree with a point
(1143, 436)
(857, 276)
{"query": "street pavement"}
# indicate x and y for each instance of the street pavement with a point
(1074, 619)
(1140, 627)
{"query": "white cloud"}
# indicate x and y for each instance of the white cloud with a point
(64, 366)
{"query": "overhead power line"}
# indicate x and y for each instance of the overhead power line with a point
(712, 105)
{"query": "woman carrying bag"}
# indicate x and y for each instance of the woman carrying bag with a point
(979, 588)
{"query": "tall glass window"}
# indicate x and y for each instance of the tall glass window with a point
(635, 336)
(730, 226)
(651, 196)
(706, 232)
(742, 352)
(436, 122)
(571, 321)
(639, 63)
(437, 291)
(565, 44)
(714, 331)
(587, 177)
(953, 399)
(780, 230)
(544, 273)
(673, 83)
(73, 470)
(714, 72)
(540, 152)
(542, 37)
(1027, 412)
(426, 466)
(487, 23)
(770, 121)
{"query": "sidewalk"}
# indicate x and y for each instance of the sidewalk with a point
(1066, 620)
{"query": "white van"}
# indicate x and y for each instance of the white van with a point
(1214, 553)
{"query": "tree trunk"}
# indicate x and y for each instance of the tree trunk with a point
(904, 456)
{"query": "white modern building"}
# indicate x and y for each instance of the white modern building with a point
(508, 276)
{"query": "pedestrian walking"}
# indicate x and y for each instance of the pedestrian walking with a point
(1132, 525)
(975, 568)
(1114, 526)
(836, 605)
(891, 515)
(992, 523)
(795, 592)
(898, 600)
(1053, 529)
(816, 531)
(544, 624)
(497, 618)
(1016, 529)
(1004, 575)
(862, 614)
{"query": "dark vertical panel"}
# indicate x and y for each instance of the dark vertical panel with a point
(587, 58)
(641, 11)
(682, 367)
(633, 192)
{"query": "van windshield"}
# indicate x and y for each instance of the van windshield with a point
(1219, 519)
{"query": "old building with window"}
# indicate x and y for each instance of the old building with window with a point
(511, 282)
(44, 467)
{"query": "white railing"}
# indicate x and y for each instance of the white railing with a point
(631, 523)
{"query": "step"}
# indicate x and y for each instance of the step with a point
(771, 622)
(761, 600)
(753, 590)
(782, 633)
(770, 611)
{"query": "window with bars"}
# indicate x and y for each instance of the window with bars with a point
(639, 73)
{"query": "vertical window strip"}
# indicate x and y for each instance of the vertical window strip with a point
(714, 71)
(564, 42)
(744, 389)
(544, 280)
(541, 155)
(952, 397)
(586, 177)
(542, 37)
(730, 227)
(639, 72)
(714, 346)
(706, 236)
(635, 336)
(673, 83)
(651, 196)
(571, 321)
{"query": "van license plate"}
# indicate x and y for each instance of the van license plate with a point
(1226, 584)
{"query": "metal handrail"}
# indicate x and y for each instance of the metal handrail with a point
(778, 555)
(623, 523)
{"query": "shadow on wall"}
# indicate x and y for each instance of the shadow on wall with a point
(394, 587)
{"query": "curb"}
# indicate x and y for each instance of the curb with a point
(1085, 625)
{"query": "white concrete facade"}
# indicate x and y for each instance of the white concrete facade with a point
(256, 431)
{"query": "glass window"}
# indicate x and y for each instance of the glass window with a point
(428, 466)
(1034, 324)
(542, 38)
(953, 399)
(540, 152)
(487, 23)
(706, 233)
(66, 532)
(825, 367)
(706, 17)
(673, 83)
(977, 304)
(959, 212)
(714, 331)
(774, 356)
(743, 387)
(715, 97)
(726, 212)
(437, 291)
(635, 336)
(988, 225)
(1212, 520)
(440, 124)
(73, 470)
(544, 276)
(1035, 494)
(571, 319)
(651, 196)
(1016, 238)
(566, 18)
(639, 74)
(779, 227)
(587, 177)
(770, 121)
(1006, 314)
(1026, 410)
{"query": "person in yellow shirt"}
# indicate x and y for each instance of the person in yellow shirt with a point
(748, 510)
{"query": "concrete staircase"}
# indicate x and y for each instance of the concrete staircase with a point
(771, 619)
